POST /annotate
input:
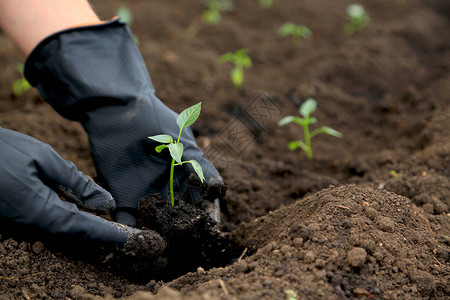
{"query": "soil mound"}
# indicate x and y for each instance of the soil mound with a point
(340, 243)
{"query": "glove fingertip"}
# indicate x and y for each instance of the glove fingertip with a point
(102, 202)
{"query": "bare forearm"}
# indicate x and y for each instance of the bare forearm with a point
(28, 22)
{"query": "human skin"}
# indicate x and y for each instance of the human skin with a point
(27, 22)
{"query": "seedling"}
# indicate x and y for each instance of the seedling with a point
(291, 295)
(395, 174)
(358, 18)
(306, 109)
(126, 16)
(240, 60)
(266, 3)
(297, 32)
(185, 119)
(20, 86)
(212, 14)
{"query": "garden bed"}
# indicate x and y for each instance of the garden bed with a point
(367, 217)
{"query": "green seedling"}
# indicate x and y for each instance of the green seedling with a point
(358, 18)
(240, 60)
(126, 16)
(213, 14)
(395, 174)
(306, 109)
(185, 119)
(20, 86)
(297, 32)
(291, 295)
(266, 3)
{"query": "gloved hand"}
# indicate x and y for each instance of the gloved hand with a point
(31, 174)
(96, 75)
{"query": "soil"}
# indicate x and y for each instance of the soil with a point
(367, 217)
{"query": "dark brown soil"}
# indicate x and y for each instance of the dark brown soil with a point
(367, 217)
(191, 235)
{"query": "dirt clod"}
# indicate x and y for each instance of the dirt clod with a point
(356, 257)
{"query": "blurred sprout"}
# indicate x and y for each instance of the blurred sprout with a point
(126, 16)
(212, 14)
(358, 18)
(240, 60)
(305, 110)
(266, 3)
(20, 86)
(296, 31)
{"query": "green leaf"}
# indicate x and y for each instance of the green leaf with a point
(293, 145)
(286, 120)
(162, 138)
(266, 3)
(176, 151)
(305, 32)
(161, 148)
(189, 116)
(125, 15)
(211, 16)
(308, 107)
(286, 29)
(326, 130)
(297, 120)
(331, 131)
(246, 62)
(229, 56)
(198, 169)
(20, 86)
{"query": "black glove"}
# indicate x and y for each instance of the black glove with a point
(31, 173)
(96, 75)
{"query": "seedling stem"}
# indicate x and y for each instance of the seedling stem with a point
(306, 109)
(185, 119)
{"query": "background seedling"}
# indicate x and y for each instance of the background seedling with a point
(358, 18)
(240, 60)
(20, 86)
(291, 295)
(185, 119)
(395, 174)
(296, 31)
(126, 16)
(306, 109)
(266, 3)
(212, 14)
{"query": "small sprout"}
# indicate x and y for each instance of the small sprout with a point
(358, 18)
(296, 31)
(291, 295)
(185, 119)
(306, 109)
(212, 14)
(266, 3)
(395, 174)
(126, 16)
(240, 60)
(20, 86)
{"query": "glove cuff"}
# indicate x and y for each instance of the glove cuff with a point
(83, 65)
